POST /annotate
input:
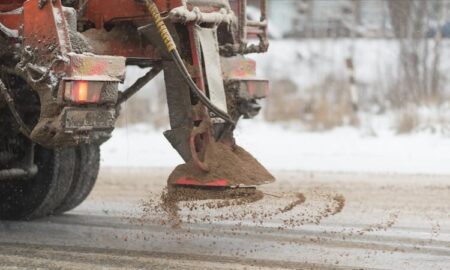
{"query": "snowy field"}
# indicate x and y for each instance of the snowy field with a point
(286, 148)
(373, 147)
(310, 62)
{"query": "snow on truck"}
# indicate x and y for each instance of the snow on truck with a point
(62, 62)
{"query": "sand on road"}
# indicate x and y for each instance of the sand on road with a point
(305, 220)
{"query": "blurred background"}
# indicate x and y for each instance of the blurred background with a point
(351, 81)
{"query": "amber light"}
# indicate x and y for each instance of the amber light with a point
(82, 92)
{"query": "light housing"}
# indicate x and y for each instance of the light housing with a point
(83, 92)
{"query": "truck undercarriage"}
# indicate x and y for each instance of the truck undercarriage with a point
(62, 63)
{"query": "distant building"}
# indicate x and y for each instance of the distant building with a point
(330, 18)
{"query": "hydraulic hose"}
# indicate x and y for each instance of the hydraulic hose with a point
(175, 55)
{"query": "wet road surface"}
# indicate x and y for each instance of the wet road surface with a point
(343, 221)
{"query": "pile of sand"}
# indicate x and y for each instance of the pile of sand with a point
(224, 162)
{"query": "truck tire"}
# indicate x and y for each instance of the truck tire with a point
(87, 165)
(40, 195)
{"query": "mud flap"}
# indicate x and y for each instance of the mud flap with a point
(178, 139)
(180, 111)
(209, 46)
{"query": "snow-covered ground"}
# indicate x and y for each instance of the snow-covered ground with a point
(277, 147)
(374, 147)
(310, 62)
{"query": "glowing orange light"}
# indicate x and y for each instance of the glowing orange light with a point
(80, 91)
(83, 92)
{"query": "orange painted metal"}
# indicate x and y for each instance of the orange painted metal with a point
(111, 47)
(98, 12)
(127, 47)
(184, 181)
(45, 30)
(238, 68)
(101, 12)
(11, 20)
(8, 5)
(197, 66)
(42, 29)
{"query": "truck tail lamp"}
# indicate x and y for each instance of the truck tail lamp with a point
(83, 92)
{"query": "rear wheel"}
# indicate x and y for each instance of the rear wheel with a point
(87, 164)
(39, 196)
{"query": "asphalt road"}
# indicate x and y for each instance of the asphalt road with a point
(306, 220)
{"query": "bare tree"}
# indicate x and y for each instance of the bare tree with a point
(400, 11)
(436, 78)
(418, 79)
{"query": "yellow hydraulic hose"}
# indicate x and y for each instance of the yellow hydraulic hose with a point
(161, 26)
(172, 49)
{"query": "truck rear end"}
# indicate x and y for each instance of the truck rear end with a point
(62, 63)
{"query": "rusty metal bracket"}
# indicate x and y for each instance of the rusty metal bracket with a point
(138, 85)
(203, 128)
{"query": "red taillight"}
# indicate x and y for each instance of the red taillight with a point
(83, 92)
